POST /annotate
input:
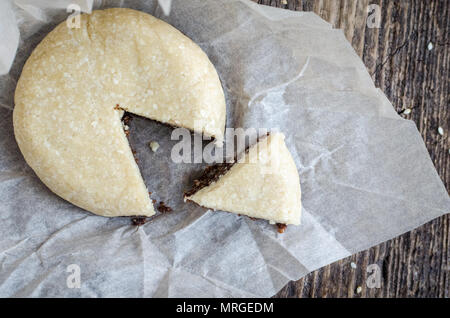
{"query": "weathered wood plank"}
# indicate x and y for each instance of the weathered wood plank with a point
(415, 264)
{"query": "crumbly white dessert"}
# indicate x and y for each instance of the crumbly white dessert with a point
(264, 184)
(75, 87)
(154, 146)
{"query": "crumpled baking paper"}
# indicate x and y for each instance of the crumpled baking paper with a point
(366, 176)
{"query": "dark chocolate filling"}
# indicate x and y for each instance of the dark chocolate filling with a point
(210, 174)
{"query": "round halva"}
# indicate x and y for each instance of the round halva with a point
(75, 86)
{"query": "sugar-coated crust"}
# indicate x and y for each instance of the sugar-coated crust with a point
(265, 185)
(66, 121)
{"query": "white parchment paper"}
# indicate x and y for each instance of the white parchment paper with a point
(366, 176)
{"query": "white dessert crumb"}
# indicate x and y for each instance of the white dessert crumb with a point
(407, 111)
(154, 146)
(358, 289)
(430, 46)
(353, 265)
(441, 131)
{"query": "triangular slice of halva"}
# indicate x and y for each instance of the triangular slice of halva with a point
(263, 184)
(75, 86)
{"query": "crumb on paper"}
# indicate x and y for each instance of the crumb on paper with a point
(154, 146)
(163, 208)
(281, 228)
(353, 265)
(139, 220)
(358, 289)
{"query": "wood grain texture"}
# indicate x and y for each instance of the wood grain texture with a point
(398, 57)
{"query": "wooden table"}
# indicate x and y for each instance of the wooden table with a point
(414, 74)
